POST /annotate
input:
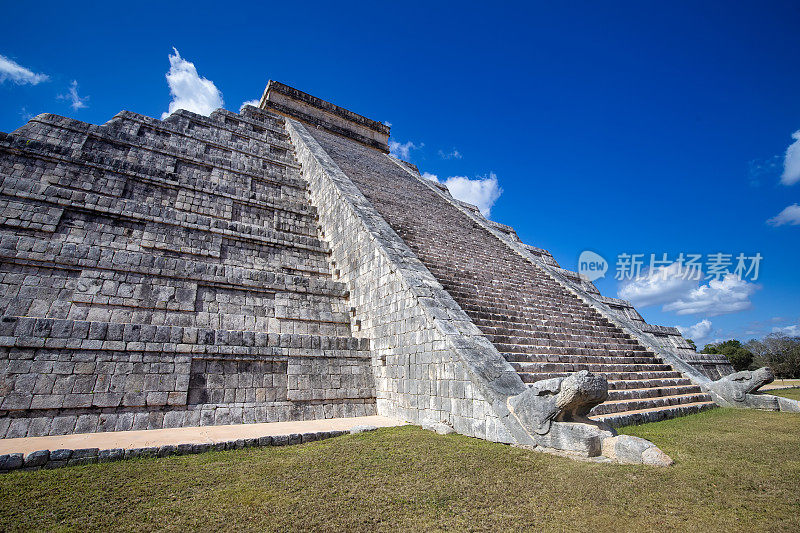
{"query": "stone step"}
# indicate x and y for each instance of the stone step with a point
(29, 332)
(291, 189)
(564, 320)
(647, 383)
(572, 341)
(264, 117)
(218, 128)
(531, 289)
(189, 222)
(517, 302)
(541, 328)
(481, 273)
(642, 416)
(600, 347)
(533, 377)
(246, 122)
(173, 137)
(42, 253)
(520, 300)
(508, 308)
(570, 358)
(528, 289)
(283, 213)
(625, 405)
(250, 126)
(570, 336)
(122, 145)
(93, 252)
(653, 392)
(122, 436)
(599, 368)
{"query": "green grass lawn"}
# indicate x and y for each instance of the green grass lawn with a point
(735, 471)
(794, 393)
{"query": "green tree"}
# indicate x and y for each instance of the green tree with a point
(740, 357)
(779, 352)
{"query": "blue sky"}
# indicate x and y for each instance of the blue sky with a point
(624, 127)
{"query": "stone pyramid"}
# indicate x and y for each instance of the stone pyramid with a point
(279, 264)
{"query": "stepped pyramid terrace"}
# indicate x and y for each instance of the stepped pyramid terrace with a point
(279, 265)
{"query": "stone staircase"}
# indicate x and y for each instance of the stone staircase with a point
(165, 273)
(542, 329)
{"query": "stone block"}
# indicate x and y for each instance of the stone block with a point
(167, 449)
(11, 461)
(18, 428)
(47, 401)
(84, 456)
(37, 459)
(115, 454)
(61, 454)
(174, 419)
(201, 448)
(16, 401)
(355, 430)
(440, 428)
(628, 449)
(87, 423)
(151, 451)
(185, 449)
(132, 453)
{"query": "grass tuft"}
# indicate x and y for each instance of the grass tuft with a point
(793, 393)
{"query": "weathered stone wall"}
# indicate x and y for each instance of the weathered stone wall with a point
(429, 359)
(159, 274)
(542, 327)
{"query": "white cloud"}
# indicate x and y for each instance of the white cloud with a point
(791, 162)
(792, 331)
(697, 332)
(666, 285)
(659, 286)
(13, 71)
(254, 103)
(189, 91)
(75, 101)
(790, 215)
(387, 123)
(403, 150)
(481, 192)
(728, 295)
(455, 154)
